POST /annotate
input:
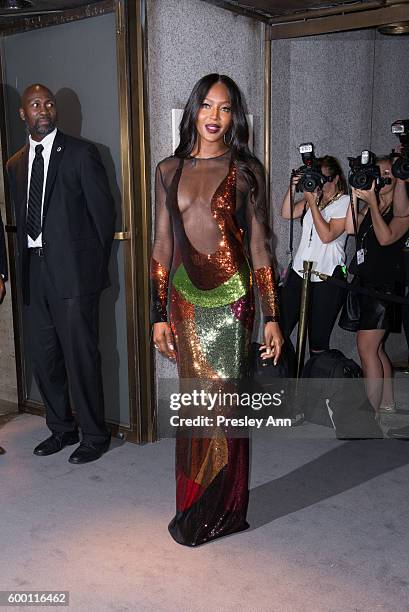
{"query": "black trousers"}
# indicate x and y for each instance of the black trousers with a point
(63, 345)
(324, 306)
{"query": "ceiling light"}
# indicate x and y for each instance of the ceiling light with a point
(395, 29)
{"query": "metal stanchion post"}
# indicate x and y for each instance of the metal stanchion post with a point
(302, 325)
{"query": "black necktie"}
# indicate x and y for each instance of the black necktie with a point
(35, 196)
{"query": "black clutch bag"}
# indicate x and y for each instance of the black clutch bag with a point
(350, 313)
(265, 377)
(262, 371)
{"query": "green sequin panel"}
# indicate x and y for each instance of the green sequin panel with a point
(230, 291)
(223, 340)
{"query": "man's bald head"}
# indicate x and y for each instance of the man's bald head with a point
(34, 89)
(38, 110)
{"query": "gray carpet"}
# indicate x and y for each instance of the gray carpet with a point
(329, 528)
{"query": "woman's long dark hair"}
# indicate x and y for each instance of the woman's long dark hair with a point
(236, 137)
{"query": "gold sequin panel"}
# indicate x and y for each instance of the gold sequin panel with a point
(267, 291)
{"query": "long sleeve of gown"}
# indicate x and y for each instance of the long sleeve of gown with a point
(259, 251)
(162, 252)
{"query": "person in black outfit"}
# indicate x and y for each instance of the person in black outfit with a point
(401, 209)
(379, 266)
(401, 198)
(65, 227)
(3, 262)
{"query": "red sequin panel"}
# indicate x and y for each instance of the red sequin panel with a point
(267, 291)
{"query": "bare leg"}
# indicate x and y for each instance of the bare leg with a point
(387, 395)
(369, 342)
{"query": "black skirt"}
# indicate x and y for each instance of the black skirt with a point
(364, 312)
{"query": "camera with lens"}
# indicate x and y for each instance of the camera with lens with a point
(364, 171)
(311, 175)
(400, 167)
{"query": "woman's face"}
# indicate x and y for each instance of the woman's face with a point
(386, 172)
(331, 187)
(214, 117)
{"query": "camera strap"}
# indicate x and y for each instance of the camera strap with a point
(371, 227)
(354, 219)
(291, 241)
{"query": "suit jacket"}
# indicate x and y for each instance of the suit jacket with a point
(78, 216)
(3, 255)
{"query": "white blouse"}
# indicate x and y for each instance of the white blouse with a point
(326, 257)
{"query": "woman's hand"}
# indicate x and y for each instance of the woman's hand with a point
(273, 341)
(312, 197)
(163, 340)
(288, 201)
(367, 195)
(295, 179)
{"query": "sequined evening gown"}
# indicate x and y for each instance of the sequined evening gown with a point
(202, 283)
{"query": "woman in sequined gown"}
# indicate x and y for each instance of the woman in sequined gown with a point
(210, 247)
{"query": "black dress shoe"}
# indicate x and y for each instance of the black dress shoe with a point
(56, 442)
(400, 434)
(89, 451)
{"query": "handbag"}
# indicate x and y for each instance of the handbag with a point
(351, 311)
(263, 371)
(267, 378)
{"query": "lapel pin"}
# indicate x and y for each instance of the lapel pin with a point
(58, 149)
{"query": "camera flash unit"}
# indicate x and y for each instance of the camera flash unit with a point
(306, 147)
(365, 157)
(398, 127)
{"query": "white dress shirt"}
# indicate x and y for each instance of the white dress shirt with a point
(47, 143)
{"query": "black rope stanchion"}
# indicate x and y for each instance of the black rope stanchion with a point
(387, 297)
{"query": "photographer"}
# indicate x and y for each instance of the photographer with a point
(323, 213)
(400, 168)
(378, 265)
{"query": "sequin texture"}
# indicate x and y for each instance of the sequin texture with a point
(159, 277)
(268, 292)
(211, 313)
(231, 290)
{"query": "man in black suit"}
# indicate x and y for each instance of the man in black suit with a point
(3, 262)
(65, 227)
